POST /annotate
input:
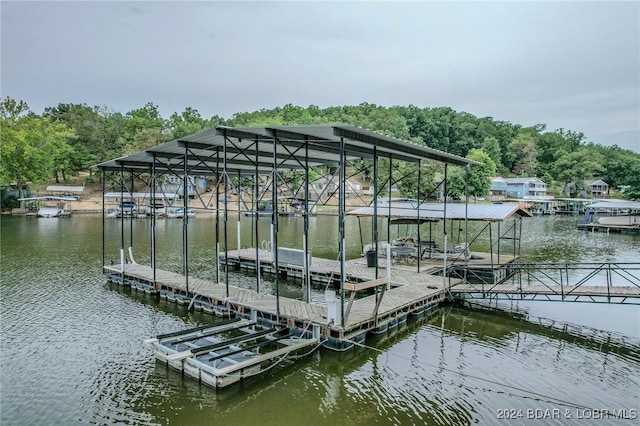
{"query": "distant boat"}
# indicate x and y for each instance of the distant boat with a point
(254, 214)
(622, 220)
(190, 213)
(49, 211)
(155, 209)
(178, 212)
(126, 209)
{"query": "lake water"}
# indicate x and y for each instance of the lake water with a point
(73, 351)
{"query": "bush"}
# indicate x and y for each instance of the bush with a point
(9, 202)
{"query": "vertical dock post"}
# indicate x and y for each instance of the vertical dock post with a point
(341, 230)
(185, 221)
(374, 231)
(274, 222)
(317, 332)
(444, 229)
(389, 266)
(256, 218)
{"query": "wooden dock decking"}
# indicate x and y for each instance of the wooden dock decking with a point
(403, 272)
(596, 227)
(411, 290)
(412, 296)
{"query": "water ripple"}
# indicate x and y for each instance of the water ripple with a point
(72, 352)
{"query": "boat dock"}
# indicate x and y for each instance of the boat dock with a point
(598, 227)
(403, 269)
(223, 353)
(388, 305)
(361, 298)
(262, 328)
(612, 216)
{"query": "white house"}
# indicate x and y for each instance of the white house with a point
(172, 184)
(597, 188)
(498, 186)
(327, 186)
(530, 187)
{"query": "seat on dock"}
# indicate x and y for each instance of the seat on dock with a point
(354, 288)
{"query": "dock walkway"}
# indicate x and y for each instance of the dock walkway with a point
(604, 282)
(596, 227)
(402, 272)
(410, 293)
(617, 294)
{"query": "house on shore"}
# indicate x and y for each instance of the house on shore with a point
(595, 188)
(527, 188)
(498, 188)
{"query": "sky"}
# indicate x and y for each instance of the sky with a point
(566, 64)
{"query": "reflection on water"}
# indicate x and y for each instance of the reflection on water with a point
(72, 348)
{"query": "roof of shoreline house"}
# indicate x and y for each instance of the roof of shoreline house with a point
(248, 150)
(522, 180)
(598, 182)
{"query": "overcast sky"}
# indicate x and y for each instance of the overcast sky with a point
(571, 65)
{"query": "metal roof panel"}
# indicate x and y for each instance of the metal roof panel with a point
(484, 212)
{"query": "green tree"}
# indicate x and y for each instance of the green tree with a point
(491, 146)
(144, 128)
(30, 145)
(480, 174)
(633, 180)
(578, 166)
(188, 122)
(620, 166)
(456, 182)
(87, 146)
(522, 155)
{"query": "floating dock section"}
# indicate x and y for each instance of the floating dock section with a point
(492, 268)
(222, 354)
(371, 305)
(621, 229)
(612, 216)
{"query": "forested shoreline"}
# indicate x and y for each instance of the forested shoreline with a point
(69, 138)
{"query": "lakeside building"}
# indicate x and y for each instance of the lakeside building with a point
(498, 187)
(529, 187)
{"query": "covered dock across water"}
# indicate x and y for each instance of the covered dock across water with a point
(451, 252)
(612, 216)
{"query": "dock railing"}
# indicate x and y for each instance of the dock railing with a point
(609, 282)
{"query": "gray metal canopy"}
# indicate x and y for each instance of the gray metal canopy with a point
(408, 212)
(247, 149)
(615, 204)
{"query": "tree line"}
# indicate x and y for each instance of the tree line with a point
(69, 138)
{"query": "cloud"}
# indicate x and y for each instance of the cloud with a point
(573, 65)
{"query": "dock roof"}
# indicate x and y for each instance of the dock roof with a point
(140, 195)
(615, 204)
(436, 211)
(246, 149)
(65, 188)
